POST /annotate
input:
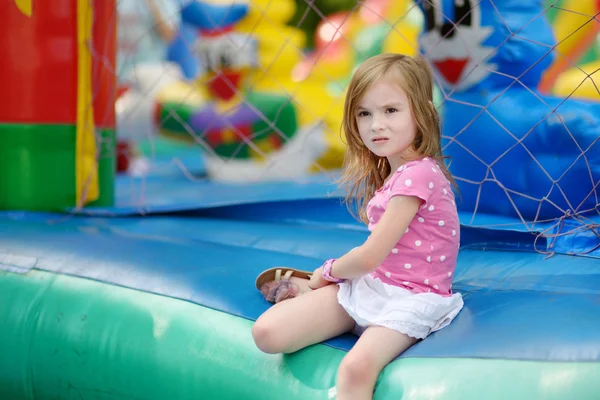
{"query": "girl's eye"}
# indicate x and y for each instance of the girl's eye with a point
(363, 113)
(391, 110)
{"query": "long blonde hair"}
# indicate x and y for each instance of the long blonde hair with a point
(364, 171)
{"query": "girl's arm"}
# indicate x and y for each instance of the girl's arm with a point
(360, 261)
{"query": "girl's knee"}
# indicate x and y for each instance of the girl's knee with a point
(358, 369)
(262, 335)
(266, 337)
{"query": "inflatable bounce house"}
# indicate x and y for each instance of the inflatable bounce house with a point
(514, 150)
(257, 105)
(152, 295)
(56, 132)
(296, 98)
(238, 99)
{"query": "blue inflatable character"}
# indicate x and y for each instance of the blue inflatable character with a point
(514, 151)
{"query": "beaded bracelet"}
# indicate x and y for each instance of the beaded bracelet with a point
(327, 272)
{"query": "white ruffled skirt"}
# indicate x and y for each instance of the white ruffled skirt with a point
(369, 302)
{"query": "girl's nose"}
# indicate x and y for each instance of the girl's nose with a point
(377, 126)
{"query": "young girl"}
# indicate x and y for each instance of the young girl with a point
(396, 288)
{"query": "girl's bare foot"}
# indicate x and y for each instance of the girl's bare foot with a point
(276, 291)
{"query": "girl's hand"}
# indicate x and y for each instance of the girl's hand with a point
(316, 280)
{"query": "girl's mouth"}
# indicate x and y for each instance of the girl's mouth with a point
(380, 140)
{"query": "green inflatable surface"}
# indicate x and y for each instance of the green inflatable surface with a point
(70, 338)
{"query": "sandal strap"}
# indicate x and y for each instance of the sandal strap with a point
(288, 275)
(280, 275)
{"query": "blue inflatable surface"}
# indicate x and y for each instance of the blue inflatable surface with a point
(518, 305)
(160, 194)
(316, 200)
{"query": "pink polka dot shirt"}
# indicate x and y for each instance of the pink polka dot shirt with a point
(425, 257)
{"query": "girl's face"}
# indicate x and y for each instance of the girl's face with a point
(386, 123)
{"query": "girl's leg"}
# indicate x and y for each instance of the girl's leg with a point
(301, 321)
(360, 368)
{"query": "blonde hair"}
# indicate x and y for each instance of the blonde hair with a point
(364, 171)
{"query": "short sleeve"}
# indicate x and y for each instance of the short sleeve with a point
(417, 180)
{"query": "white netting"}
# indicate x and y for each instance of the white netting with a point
(255, 90)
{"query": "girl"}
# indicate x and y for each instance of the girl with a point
(396, 288)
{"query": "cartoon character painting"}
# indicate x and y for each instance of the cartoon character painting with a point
(514, 151)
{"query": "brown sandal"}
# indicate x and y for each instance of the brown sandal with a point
(280, 273)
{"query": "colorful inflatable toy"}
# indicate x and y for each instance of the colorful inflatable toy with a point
(579, 38)
(582, 82)
(239, 99)
(345, 39)
(511, 152)
(57, 123)
(576, 32)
